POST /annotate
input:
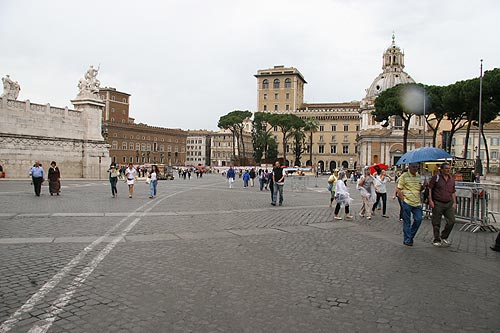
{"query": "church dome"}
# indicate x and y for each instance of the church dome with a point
(392, 75)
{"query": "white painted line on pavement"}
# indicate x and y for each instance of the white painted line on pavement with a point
(54, 281)
(63, 299)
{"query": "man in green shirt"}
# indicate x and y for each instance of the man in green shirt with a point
(409, 187)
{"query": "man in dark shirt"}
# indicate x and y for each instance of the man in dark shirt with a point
(279, 183)
(443, 202)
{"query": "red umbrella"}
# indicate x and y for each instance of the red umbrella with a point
(380, 165)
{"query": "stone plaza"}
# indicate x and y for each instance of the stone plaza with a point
(201, 257)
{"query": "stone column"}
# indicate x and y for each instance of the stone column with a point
(95, 150)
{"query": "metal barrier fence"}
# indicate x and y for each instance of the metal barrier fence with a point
(478, 205)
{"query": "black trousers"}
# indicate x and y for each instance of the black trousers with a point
(37, 184)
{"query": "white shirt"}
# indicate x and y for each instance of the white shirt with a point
(130, 173)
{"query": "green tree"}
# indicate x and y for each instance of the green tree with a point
(390, 103)
(286, 124)
(435, 112)
(311, 126)
(262, 135)
(234, 121)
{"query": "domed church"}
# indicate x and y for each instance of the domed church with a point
(378, 144)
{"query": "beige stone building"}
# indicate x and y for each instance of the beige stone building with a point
(221, 149)
(281, 90)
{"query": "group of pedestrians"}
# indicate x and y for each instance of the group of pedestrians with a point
(408, 190)
(274, 180)
(131, 175)
(37, 175)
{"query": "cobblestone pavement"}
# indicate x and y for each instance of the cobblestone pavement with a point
(205, 258)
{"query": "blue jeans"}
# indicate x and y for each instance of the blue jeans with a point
(409, 229)
(278, 188)
(152, 188)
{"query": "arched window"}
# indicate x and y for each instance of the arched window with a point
(265, 84)
(288, 83)
(276, 84)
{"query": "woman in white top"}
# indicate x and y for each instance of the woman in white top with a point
(153, 175)
(381, 190)
(130, 173)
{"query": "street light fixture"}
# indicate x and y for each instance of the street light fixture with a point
(479, 165)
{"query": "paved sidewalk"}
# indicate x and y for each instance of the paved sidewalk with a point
(205, 258)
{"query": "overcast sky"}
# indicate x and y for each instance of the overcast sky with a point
(188, 62)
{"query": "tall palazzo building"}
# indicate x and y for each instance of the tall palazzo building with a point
(281, 90)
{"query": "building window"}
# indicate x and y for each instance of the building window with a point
(265, 107)
(276, 96)
(334, 138)
(321, 138)
(494, 154)
(162, 147)
(357, 128)
(287, 107)
(346, 138)
(287, 148)
(131, 146)
(114, 145)
(143, 147)
(265, 84)
(112, 110)
(345, 149)
(494, 141)
(124, 100)
(334, 128)
(321, 149)
(265, 96)
(321, 128)
(288, 83)
(124, 146)
(112, 97)
(276, 84)
(287, 95)
(124, 159)
(132, 159)
(112, 119)
(137, 137)
(333, 149)
(398, 122)
(346, 128)
(275, 107)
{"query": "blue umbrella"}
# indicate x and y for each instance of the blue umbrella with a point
(424, 154)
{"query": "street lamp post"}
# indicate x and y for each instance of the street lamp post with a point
(479, 165)
(425, 122)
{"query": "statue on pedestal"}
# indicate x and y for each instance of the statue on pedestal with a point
(10, 88)
(89, 85)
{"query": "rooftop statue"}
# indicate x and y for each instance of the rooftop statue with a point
(89, 85)
(10, 88)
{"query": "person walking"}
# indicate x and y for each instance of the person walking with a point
(114, 173)
(443, 202)
(367, 190)
(381, 190)
(262, 179)
(153, 181)
(252, 176)
(246, 178)
(54, 176)
(409, 187)
(332, 182)
(38, 176)
(342, 197)
(130, 174)
(496, 247)
(231, 174)
(278, 183)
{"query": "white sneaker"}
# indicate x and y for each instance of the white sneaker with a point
(445, 242)
(437, 243)
(368, 217)
(338, 218)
